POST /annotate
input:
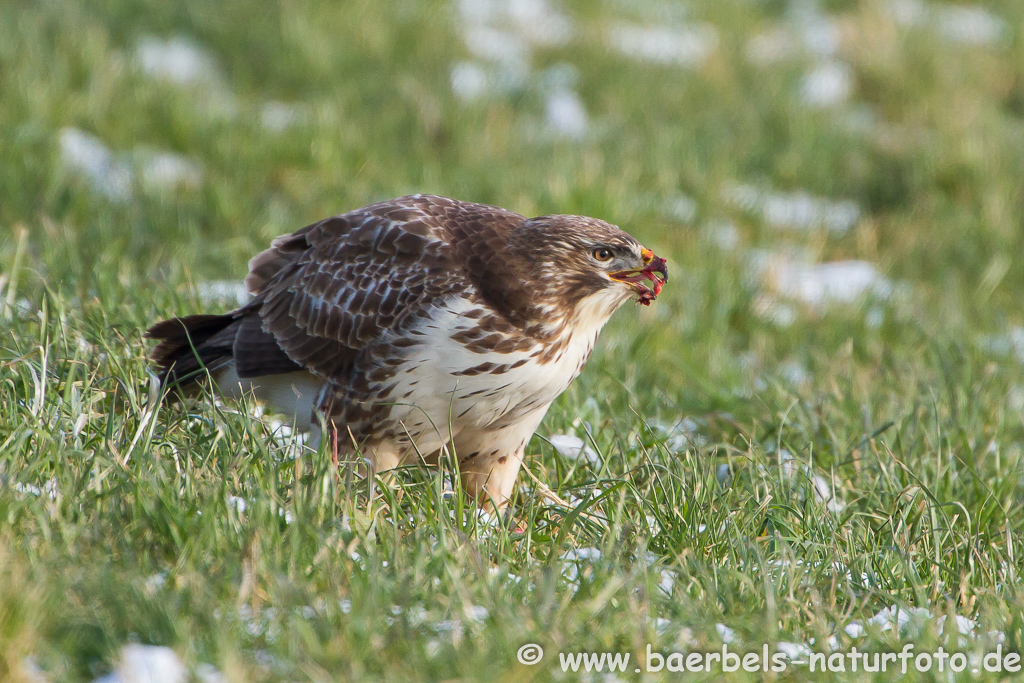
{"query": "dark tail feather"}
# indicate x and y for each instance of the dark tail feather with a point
(190, 346)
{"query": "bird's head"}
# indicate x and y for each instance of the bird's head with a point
(583, 257)
(568, 272)
(548, 272)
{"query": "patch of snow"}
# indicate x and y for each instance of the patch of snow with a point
(30, 671)
(841, 281)
(49, 489)
(966, 24)
(572, 447)
(207, 673)
(155, 582)
(496, 572)
(477, 613)
(827, 84)
(500, 36)
(484, 42)
(807, 30)
(453, 626)
(113, 177)
(874, 318)
(87, 156)
(724, 234)
(1010, 343)
(485, 518)
(182, 62)
(819, 33)
(179, 60)
(487, 523)
(795, 652)
(821, 486)
(794, 211)
(820, 285)
(1015, 398)
(907, 12)
(668, 580)
(794, 373)
(472, 80)
(682, 434)
(565, 114)
(256, 622)
(286, 434)
(823, 494)
(147, 664)
(573, 561)
(679, 207)
(787, 463)
(898, 617)
(166, 170)
(469, 81)
(680, 45)
(576, 554)
(676, 206)
(277, 117)
(964, 626)
(536, 22)
(478, 11)
(417, 614)
(971, 25)
(223, 292)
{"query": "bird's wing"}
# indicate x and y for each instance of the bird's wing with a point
(332, 289)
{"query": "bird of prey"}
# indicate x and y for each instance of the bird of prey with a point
(417, 325)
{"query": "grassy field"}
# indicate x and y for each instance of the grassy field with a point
(813, 438)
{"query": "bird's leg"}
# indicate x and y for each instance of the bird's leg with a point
(489, 462)
(490, 477)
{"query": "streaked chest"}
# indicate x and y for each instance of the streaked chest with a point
(466, 385)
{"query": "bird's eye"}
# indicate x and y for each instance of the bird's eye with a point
(603, 254)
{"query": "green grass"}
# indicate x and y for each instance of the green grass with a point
(911, 405)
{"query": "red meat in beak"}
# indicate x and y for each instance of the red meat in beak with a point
(655, 271)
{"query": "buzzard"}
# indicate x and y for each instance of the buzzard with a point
(418, 324)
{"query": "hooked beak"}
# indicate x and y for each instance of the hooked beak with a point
(655, 270)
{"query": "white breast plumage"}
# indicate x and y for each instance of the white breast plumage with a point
(439, 385)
